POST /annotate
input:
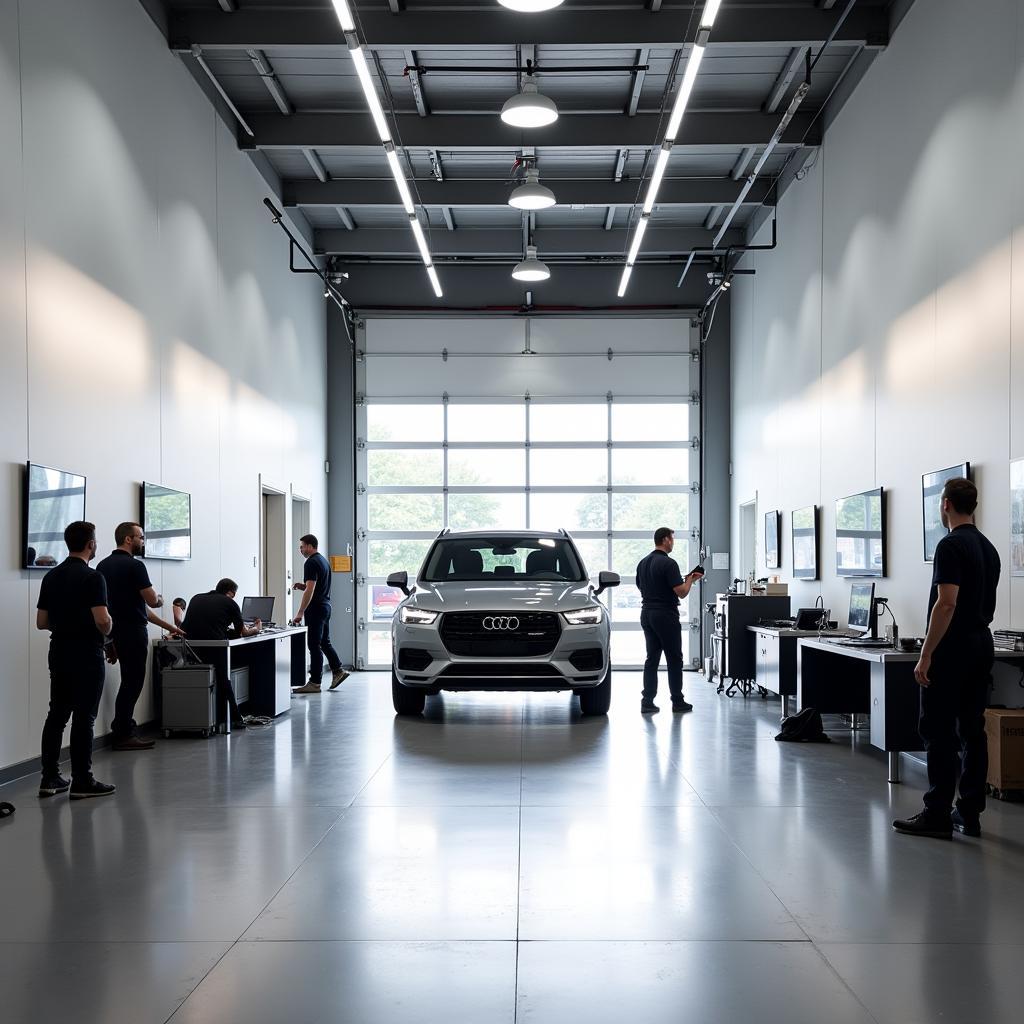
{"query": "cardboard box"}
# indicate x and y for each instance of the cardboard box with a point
(1004, 728)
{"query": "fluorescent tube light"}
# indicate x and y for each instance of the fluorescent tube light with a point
(421, 240)
(638, 237)
(707, 19)
(627, 273)
(344, 13)
(372, 99)
(685, 88)
(432, 274)
(656, 176)
(399, 175)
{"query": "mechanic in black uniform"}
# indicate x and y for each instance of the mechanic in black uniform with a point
(661, 586)
(955, 670)
(216, 616)
(72, 605)
(316, 607)
(131, 598)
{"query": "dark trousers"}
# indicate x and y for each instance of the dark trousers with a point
(952, 726)
(664, 636)
(225, 695)
(76, 685)
(318, 639)
(132, 652)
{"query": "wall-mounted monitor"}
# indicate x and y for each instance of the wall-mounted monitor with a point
(805, 543)
(166, 517)
(53, 499)
(931, 504)
(860, 534)
(772, 539)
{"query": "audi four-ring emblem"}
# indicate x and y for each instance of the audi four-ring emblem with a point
(505, 622)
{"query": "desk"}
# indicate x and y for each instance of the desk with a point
(862, 680)
(775, 659)
(276, 661)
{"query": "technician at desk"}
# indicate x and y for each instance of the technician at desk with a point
(216, 616)
(955, 669)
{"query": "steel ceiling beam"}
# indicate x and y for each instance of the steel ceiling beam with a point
(794, 62)
(415, 83)
(266, 72)
(318, 28)
(392, 242)
(346, 219)
(453, 192)
(642, 56)
(473, 133)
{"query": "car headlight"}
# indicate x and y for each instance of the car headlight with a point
(589, 616)
(417, 616)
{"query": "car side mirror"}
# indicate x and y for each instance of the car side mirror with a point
(606, 580)
(400, 581)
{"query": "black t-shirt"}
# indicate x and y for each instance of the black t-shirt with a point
(126, 578)
(657, 575)
(209, 617)
(318, 569)
(68, 594)
(966, 558)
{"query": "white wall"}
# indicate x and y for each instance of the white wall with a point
(884, 338)
(149, 326)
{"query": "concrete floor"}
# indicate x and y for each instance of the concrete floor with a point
(504, 860)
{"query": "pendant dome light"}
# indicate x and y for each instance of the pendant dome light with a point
(530, 6)
(532, 195)
(531, 269)
(529, 109)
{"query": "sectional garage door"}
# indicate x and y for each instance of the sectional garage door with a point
(587, 424)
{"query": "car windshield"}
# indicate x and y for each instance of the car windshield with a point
(513, 558)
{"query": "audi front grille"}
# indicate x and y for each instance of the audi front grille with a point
(500, 634)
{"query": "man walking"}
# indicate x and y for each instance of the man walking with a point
(131, 598)
(661, 586)
(72, 605)
(316, 608)
(955, 669)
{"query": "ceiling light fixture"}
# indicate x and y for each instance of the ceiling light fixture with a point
(531, 268)
(348, 25)
(682, 99)
(529, 109)
(530, 6)
(532, 195)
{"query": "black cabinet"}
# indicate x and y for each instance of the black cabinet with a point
(733, 614)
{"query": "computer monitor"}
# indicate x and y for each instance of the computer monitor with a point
(261, 608)
(862, 618)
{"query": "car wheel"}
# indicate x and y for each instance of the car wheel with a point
(596, 700)
(407, 701)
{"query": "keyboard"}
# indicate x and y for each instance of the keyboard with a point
(866, 642)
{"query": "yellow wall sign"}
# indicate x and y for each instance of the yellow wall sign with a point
(341, 563)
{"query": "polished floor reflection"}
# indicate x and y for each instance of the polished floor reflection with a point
(503, 859)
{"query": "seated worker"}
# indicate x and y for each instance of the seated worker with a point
(178, 610)
(216, 616)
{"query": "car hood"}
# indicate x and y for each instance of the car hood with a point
(493, 595)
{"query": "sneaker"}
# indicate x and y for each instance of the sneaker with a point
(132, 743)
(308, 688)
(924, 824)
(648, 707)
(338, 676)
(680, 707)
(84, 790)
(967, 824)
(52, 785)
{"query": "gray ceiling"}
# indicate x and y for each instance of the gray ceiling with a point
(285, 68)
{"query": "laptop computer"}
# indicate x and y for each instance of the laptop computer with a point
(261, 608)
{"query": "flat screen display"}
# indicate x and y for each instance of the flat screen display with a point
(772, 522)
(166, 521)
(862, 599)
(53, 499)
(860, 534)
(931, 504)
(805, 543)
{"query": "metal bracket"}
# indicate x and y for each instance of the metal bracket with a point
(695, 488)
(361, 626)
(360, 355)
(611, 355)
(360, 663)
(444, 355)
(360, 582)
(360, 399)
(695, 355)
(694, 398)
(695, 442)
(361, 534)
(360, 488)
(360, 444)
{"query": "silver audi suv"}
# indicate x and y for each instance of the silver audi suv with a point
(501, 610)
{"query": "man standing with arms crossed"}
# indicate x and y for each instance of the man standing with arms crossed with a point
(955, 669)
(316, 608)
(661, 586)
(72, 605)
(132, 599)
